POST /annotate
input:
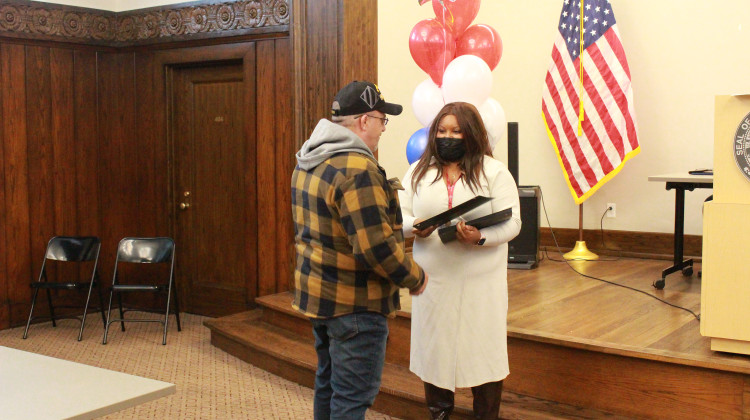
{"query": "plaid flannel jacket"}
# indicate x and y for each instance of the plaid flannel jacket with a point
(348, 239)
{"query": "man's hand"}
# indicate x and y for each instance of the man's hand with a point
(419, 291)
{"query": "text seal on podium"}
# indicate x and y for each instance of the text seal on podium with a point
(742, 146)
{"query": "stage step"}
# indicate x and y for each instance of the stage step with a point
(278, 339)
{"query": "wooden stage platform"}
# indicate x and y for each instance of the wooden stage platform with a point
(578, 348)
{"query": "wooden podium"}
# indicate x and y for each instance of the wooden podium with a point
(725, 289)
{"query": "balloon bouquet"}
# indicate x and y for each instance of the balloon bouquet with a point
(459, 60)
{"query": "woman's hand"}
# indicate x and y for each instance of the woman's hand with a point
(467, 234)
(424, 232)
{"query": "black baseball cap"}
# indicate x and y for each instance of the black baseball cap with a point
(359, 97)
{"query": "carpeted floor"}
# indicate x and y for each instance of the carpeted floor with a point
(210, 383)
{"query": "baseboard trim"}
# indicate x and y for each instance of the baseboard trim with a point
(652, 245)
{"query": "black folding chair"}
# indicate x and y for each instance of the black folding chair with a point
(144, 251)
(73, 249)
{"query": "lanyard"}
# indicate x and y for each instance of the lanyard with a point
(451, 187)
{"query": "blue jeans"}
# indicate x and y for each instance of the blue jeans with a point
(351, 354)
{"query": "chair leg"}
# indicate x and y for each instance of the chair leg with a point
(101, 304)
(31, 312)
(109, 313)
(166, 323)
(51, 308)
(166, 315)
(85, 309)
(176, 307)
(122, 314)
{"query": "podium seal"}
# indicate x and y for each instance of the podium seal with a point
(741, 147)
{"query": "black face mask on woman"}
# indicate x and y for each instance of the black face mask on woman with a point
(450, 149)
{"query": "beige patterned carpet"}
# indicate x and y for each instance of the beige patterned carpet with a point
(210, 383)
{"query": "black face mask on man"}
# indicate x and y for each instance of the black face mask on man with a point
(450, 149)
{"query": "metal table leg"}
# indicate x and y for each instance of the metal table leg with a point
(678, 264)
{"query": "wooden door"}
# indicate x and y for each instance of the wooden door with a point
(211, 173)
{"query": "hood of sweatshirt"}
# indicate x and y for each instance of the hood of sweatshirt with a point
(326, 140)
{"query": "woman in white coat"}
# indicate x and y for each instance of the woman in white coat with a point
(459, 331)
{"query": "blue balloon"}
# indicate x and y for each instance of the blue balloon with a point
(416, 145)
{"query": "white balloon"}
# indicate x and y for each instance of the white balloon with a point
(467, 79)
(493, 116)
(427, 101)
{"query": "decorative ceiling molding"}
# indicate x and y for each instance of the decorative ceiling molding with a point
(199, 20)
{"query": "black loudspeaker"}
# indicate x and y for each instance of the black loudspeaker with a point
(513, 150)
(523, 250)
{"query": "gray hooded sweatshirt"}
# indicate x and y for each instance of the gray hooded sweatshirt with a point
(326, 140)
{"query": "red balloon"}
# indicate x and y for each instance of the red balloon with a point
(432, 47)
(482, 41)
(456, 15)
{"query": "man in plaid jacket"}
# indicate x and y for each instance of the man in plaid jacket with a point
(350, 250)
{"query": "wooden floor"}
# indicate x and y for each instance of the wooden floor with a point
(633, 354)
(554, 301)
(591, 345)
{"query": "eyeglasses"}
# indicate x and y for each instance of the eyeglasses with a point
(385, 120)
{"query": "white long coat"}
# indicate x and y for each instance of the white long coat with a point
(459, 323)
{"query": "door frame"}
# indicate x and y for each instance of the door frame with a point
(167, 62)
(202, 296)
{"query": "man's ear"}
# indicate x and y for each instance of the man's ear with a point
(360, 123)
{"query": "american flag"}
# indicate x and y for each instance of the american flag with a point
(594, 151)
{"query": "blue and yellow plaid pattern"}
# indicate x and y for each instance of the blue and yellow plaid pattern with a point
(348, 239)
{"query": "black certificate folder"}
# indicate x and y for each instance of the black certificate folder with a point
(448, 233)
(452, 213)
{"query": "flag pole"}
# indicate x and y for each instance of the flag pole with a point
(580, 251)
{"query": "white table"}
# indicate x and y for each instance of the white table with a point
(680, 182)
(33, 387)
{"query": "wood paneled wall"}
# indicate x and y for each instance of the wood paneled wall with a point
(84, 144)
(84, 147)
(49, 140)
(335, 42)
(139, 151)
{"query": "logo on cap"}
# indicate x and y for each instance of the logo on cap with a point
(370, 96)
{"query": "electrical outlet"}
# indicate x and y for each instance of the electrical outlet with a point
(611, 210)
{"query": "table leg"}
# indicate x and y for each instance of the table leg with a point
(678, 264)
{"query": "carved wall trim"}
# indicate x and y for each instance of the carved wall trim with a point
(196, 20)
